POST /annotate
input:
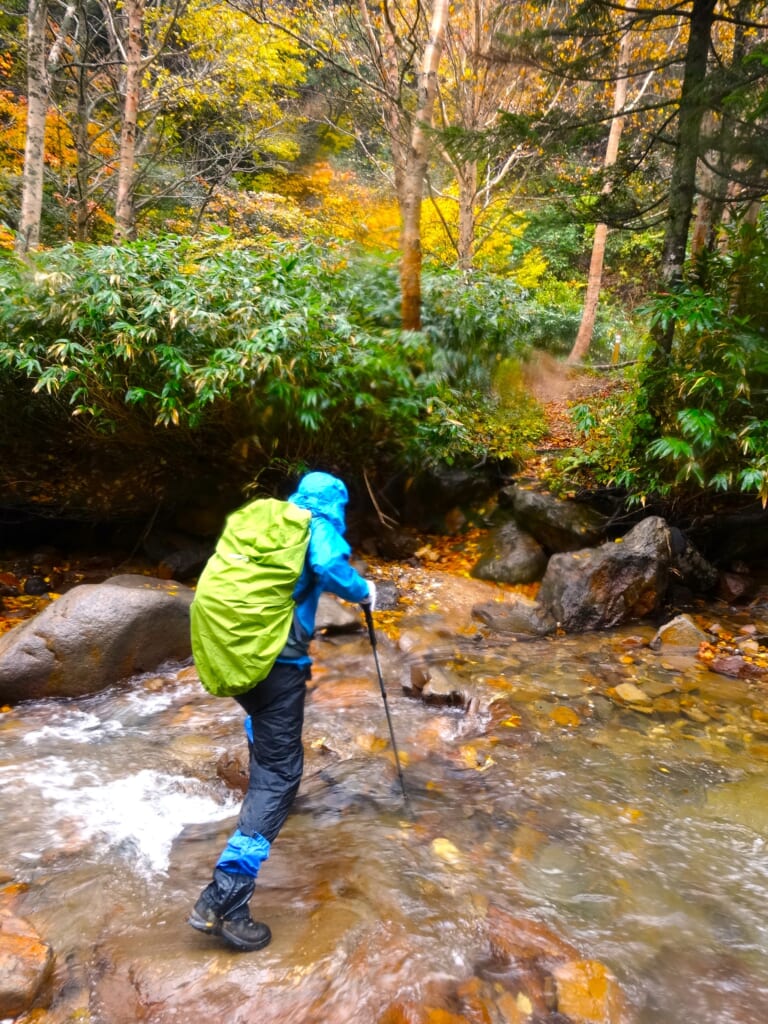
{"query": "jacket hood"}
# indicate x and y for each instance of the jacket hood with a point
(323, 495)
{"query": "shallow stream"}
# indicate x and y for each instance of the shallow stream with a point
(637, 835)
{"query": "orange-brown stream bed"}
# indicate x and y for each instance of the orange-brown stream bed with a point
(636, 836)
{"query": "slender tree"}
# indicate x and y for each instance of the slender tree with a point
(382, 48)
(42, 62)
(595, 275)
(415, 171)
(125, 224)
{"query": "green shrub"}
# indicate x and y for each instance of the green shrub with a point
(276, 353)
(697, 419)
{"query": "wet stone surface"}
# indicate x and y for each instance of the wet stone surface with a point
(576, 852)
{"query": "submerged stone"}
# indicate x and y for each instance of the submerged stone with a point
(26, 967)
(680, 633)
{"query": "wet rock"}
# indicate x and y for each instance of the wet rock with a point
(232, 768)
(394, 544)
(26, 967)
(557, 525)
(10, 585)
(689, 565)
(511, 556)
(435, 494)
(403, 1012)
(335, 616)
(526, 980)
(588, 993)
(630, 694)
(517, 616)
(734, 587)
(680, 633)
(94, 636)
(735, 666)
(514, 938)
(35, 586)
(443, 688)
(614, 583)
(712, 986)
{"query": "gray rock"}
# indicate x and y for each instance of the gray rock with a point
(690, 565)
(613, 583)
(442, 687)
(519, 617)
(336, 616)
(557, 525)
(512, 556)
(95, 635)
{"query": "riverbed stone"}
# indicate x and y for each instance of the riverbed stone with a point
(94, 636)
(631, 694)
(557, 524)
(443, 688)
(26, 967)
(511, 556)
(616, 582)
(588, 993)
(518, 616)
(513, 937)
(680, 633)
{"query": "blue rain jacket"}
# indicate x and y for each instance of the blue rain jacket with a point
(326, 567)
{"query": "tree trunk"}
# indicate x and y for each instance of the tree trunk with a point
(125, 226)
(28, 235)
(467, 178)
(416, 166)
(595, 276)
(682, 186)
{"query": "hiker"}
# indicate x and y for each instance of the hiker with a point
(275, 708)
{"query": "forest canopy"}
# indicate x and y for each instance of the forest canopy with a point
(258, 228)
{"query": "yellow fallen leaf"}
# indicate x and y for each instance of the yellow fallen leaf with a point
(513, 722)
(564, 716)
(370, 742)
(445, 850)
(473, 759)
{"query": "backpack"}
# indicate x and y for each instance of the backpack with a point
(243, 607)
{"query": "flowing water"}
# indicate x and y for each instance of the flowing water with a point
(637, 835)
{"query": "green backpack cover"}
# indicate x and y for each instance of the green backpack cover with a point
(243, 606)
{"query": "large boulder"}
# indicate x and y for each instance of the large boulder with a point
(94, 636)
(557, 525)
(511, 556)
(613, 583)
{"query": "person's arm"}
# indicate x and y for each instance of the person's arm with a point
(329, 559)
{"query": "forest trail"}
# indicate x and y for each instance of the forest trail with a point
(558, 387)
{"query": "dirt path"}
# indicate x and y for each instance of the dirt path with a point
(558, 388)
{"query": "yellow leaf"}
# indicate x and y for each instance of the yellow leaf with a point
(564, 716)
(513, 722)
(445, 850)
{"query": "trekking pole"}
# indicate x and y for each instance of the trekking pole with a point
(372, 636)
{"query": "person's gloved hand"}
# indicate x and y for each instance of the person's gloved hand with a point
(370, 601)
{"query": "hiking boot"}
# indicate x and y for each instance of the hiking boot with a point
(205, 918)
(245, 934)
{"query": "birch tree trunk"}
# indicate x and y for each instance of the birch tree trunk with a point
(416, 167)
(595, 276)
(40, 68)
(28, 236)
(126, 175)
